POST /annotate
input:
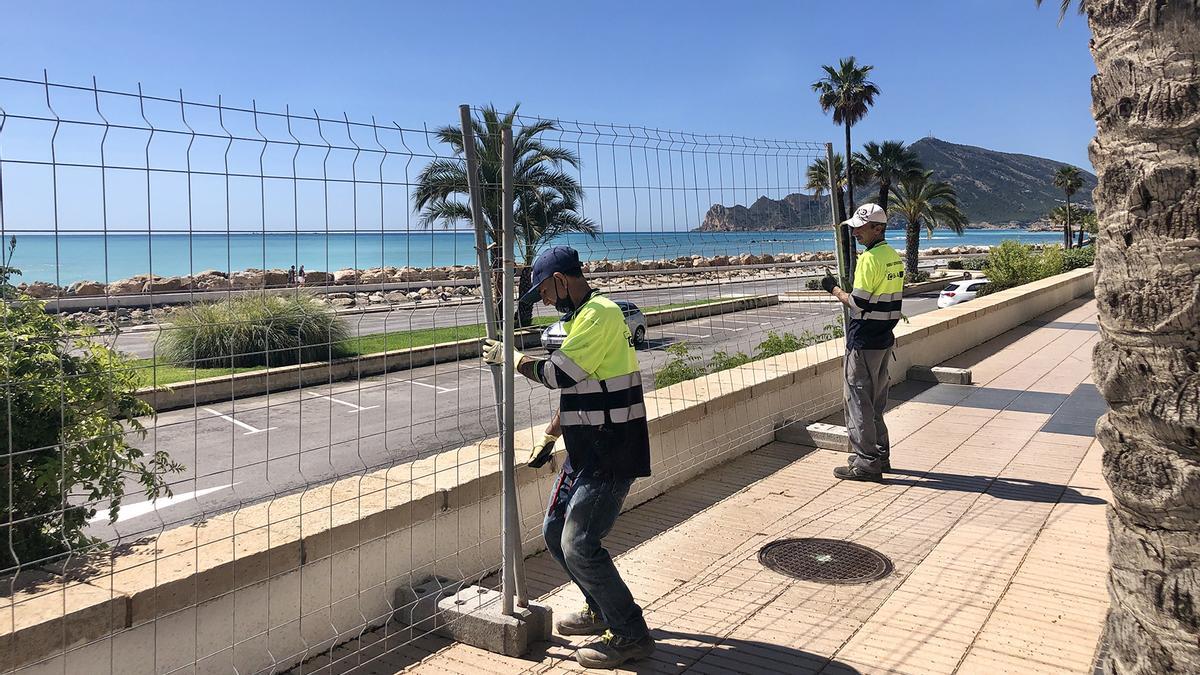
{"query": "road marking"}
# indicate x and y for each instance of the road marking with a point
(751, 323)
(142, 508)
(440, 390)
(727, 330)
(241, 424)
(675, 332)
(356, 407)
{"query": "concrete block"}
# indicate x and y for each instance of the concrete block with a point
(815, 434)
(472, 616)
(417, 606)
(940, 374)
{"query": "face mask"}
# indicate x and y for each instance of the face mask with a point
(563, 304)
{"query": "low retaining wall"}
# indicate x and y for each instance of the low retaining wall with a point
(274, 583)
(258, 382)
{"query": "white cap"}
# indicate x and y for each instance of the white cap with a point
(867, 213)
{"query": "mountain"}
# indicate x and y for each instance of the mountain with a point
(999, 187)
(996, 188)
(794, 212)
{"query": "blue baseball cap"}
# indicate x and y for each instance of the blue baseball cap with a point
(563, 259)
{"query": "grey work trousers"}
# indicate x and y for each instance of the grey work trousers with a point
(866, 397)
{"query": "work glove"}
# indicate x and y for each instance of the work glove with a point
(541, 451)
(828, 282)
(493, 353)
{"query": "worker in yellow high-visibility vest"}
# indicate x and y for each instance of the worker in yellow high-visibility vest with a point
(602, 416)
(874, 305)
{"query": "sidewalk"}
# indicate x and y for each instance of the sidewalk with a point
(994, 522)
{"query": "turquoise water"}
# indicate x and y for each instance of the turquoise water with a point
(68, 258)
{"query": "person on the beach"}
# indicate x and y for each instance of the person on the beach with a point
(874, 311)
(300, 276)
(292, 276)
(603, 417)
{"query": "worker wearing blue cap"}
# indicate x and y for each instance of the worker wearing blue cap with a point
(603, 419)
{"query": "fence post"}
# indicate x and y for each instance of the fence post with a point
(839, 236)
(514, 573)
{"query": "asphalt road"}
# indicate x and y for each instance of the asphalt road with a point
(144, 343)
(241, 452)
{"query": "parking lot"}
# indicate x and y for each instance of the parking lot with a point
(240, 452)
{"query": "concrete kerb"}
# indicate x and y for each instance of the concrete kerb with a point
(395, 527)
(257, 382)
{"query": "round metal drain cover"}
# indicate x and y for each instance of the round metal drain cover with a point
(829, 561)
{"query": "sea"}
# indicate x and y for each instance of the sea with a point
(66, 258)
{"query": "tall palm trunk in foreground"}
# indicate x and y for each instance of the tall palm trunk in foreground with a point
(1146, 100)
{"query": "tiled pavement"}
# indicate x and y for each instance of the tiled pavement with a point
(995, 526)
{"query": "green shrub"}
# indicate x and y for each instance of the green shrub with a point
(682, 366)
(973, 264)
(1076, 258)
(918, 277)
(255, 330)
(813, 284)
(1012, 264)
(64, 398)
(723, 361)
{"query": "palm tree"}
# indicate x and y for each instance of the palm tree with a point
(818, 180)
(888, 162)
(545, 199)
(1146, 151)
(932, 203)
(848, 93)
(1069, 180)
(545, 214)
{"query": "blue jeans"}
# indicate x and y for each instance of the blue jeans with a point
(582, 511)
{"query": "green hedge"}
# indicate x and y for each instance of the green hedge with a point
(1012, 264)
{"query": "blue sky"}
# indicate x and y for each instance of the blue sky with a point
(996, 73)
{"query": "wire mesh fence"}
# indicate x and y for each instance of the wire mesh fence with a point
(246, 416)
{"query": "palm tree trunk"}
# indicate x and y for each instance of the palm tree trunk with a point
(884, 188)
(1067, 226)
(524, 282)
(840, 204)
(850, 206)
(1147, 361)
(912, 240)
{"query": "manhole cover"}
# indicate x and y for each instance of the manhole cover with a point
(829, 561)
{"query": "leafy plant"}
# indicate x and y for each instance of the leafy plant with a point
(1012, 264)
(917, 277)
(1079, 257)
(255, 329)
(68, 451)
(685, 366)
(813, 284)
(682, 366)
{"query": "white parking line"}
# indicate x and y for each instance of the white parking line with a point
(440, 390)
(241, 424)
(750, 323)
(356, 407)
(675, 332)
(142, 508)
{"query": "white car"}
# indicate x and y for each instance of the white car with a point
(553, 336)
(960, 291)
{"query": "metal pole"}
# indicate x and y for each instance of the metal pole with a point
(511, 526)
(503, 412)
(839, 235)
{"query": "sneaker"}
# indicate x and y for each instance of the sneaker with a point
(855, 473)
(611, 651)
(583, 622)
